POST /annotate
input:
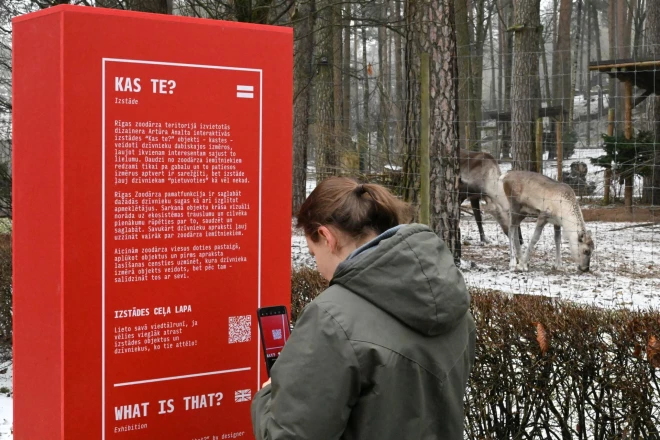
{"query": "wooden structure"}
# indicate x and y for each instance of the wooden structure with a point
(643, 74)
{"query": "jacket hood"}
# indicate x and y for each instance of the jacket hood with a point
(411, 275)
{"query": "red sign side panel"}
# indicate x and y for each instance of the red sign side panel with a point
(37, 233)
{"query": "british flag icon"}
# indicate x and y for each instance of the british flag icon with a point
(243, 395)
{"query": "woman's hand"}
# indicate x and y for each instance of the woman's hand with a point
(266, 383)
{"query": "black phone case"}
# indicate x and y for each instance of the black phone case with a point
(283, 311)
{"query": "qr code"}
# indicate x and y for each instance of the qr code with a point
(277, 334)
(240, 329)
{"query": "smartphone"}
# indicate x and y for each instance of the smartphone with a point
(274, 329)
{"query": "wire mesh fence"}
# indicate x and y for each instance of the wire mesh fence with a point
(582, 113)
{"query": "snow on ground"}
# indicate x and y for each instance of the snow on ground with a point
(6, 401)
(625, 268)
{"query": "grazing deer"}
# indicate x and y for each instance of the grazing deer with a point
(479, 179)
(535, 195)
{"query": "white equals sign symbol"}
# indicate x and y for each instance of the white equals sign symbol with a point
(244, 91)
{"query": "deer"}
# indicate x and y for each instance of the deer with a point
(479, 176)
(529, 194)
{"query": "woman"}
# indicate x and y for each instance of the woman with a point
(385, 352)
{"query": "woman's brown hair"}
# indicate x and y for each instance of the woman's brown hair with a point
(354, 208)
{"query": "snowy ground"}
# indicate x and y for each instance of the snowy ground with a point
(625, 268)
(6, 401)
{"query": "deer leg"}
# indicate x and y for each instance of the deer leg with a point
(540, 224)
(520, 235)
(514, 243)
(476, 209)
(501, 217)
(557, 264)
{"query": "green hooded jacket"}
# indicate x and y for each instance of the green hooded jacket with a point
(384, 353)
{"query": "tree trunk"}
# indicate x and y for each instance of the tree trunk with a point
(561, 59)
(346, 87)
(493, 82)
(381, 87)
(303, 53)
(501, 40)
(364, 147)
(356, 80)
(414, 17)
(435, 33)
(588, 73)
(580, 52)
(546, 73)
(508, 55)
(337, 81)
(651, 192)
(326, 156)
(612, 40)
(638, 31)
(508, 69)
(477, 65)
(555, 27)
(622, 53)
(599, 55)
(621, 28)
(387, 84)
(561, 64)
(398, 76)
(524, 110)
(631, 12)
(467, 130)
(574, 67)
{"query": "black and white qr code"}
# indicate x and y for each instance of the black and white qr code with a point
(240, 329)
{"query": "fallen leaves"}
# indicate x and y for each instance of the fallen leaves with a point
(653, 351)
(542, 337)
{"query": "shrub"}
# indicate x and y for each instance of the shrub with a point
(306, 284)
(628, 156)
(5, 293)
(548, 368)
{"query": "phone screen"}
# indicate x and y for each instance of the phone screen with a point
(274, 327)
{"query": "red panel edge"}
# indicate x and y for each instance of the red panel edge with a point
(37, 217)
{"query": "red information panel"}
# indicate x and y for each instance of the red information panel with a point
(182, 200)
(171, 168)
